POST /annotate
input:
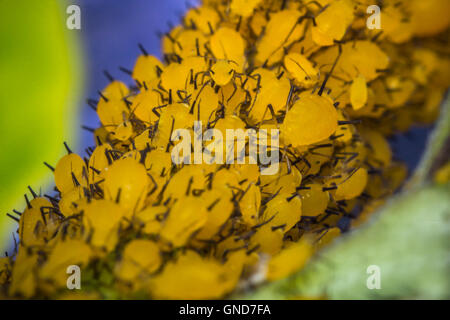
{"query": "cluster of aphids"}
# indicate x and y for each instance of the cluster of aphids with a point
(137, 223)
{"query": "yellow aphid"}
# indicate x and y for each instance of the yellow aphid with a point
(206, 101)
(283, 212)
(346, 130)
(332, 22)
(267, 240)
(358, 92)
(127, 183)
(184, 182)
(379, 150)
(232, 97)
(258, 22)
(219, 208)
(69, 203)
(396, 24)
(310, 120)
(189, 43)
(429, 17)
(225, 179)
(175, 77)
(285, 182)
(328, 236)
(112, 108)
(143, 140)
(358, 57)
(283, 29)
(123, 131)
(116, 90)
(248, 173)
(99, 160)
(133, 154)
(289, 260)
(244, 8)
(352, 185)
(32, 227)
(227, 44)
(103, 219)
(70, 172)
(150, 218)
(202, 18)
(314, 200)
(140, 258)
(23, 279)
(197, 67)
(399, 91)
(147, 69)
(101, 135)
(250, 204)
(273, 90)
(158, 163)
(175, 116)
(301, 70)
(143, 105)
(190, 277)
(186, 216)
(222, 72)
(168, 43)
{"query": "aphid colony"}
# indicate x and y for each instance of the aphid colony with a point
(140, 226)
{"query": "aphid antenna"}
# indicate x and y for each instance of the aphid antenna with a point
(13, 217)
(238, 25)
(28, 202)
(322, 87)
(99, 141)
(49, 166)
(75, 180)
(32, 192)
(108, 75)
(346, 122)
(92, 130)
(67, 148)
(375, 37)
(119, 192)
(211, 30)
(125, 70)
(102, 96)
(92, 104)
(249, 252)
(141, 47)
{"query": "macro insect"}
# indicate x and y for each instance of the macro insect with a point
(335, 90)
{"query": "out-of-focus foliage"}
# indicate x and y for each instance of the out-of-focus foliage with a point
(39, 76)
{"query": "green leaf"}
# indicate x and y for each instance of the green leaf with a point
(39, 85)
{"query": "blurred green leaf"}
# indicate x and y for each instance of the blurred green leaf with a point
(39, 85)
